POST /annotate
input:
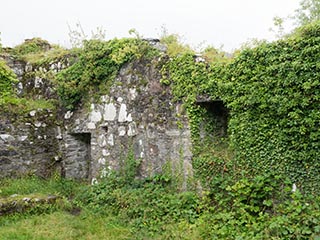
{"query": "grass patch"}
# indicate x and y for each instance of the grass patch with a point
(147, 210)
(24, 105)
(262, 207)
(45, 57)
(62, 225)
(31, 185)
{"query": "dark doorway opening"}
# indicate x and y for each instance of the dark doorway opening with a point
(78, 155)
(215, 121)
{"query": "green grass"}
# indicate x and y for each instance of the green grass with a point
(59, 223)
(69, 221)
(45, 57)
(63, 225)
(31, 185)
(18, 105)
(258, 208)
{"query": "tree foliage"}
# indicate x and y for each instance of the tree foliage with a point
(309, 11)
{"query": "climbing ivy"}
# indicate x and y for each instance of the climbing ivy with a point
(7, 81)
(96, 65)
(273, 92)
(189, 77)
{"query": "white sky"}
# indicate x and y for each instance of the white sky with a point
(217, 22)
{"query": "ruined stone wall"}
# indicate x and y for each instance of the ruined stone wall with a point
(34, 80)
(28, 145)
(28, 141)
(137, 116)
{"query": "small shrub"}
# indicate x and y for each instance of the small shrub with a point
(31, 46)
(263, 207)
(7, 81)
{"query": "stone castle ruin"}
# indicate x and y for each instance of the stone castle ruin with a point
(137, 118)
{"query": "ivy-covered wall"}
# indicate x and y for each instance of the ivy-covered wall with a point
(273, 92)
(272, 95)
(269, 95)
